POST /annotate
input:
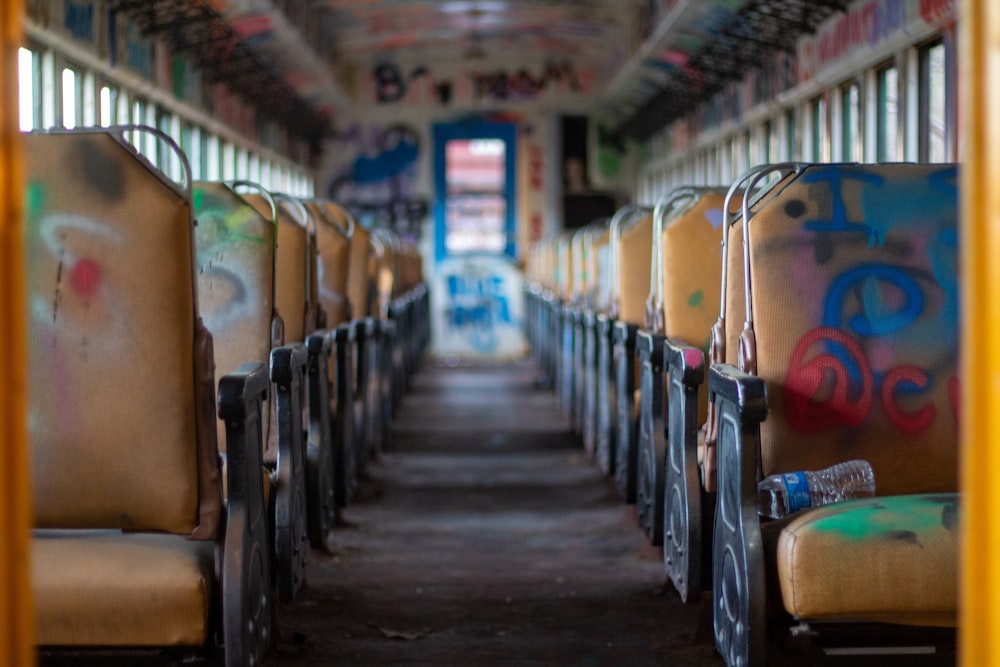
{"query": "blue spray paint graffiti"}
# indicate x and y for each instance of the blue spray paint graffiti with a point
(378, 185)
(477, 306)
(881, 306)
(832, 178)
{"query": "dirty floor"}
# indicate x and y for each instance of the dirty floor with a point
(483, 536)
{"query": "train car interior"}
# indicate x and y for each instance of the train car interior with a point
(499, 332)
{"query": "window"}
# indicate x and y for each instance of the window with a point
(72, 98)
(191, 145)
(850, 122)
(228, 162)
(820, 139)
(209, 156)
(887, 115)
(253, 174)
(107, 106)
(476, 209)
(726, 162)
(933, 104)
(791, 136)
(242, 164)
(166, 160)
(29, 81)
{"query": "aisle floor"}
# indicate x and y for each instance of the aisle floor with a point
(484, 536)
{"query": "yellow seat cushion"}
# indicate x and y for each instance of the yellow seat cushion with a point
(107, 588)
(889, 559)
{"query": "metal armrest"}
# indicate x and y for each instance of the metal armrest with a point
(687, 508)
(344, 444)
(246, 555)
(739, 579)
(651, 443)
(288, 373)
(320, 483)
(606, 411)
(626, 451)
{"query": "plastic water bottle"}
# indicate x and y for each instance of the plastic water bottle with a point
(789, 492)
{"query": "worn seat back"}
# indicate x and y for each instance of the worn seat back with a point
(855, 316)
(126, 491)
(632, 266)
(236, 261)
(689, 269)
(333, 238)
(850, 344)
(109, 246)
(359, 281)
(295, 263)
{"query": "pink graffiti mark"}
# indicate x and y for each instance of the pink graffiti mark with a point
(693, 358)
(85, 277)
(907, 422)
(826, 374)
(806, 412)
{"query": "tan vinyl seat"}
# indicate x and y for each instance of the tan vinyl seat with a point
(129, 544)
(854, 340)
(235, 262)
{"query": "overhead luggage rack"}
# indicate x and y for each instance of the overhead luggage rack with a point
(196, 29)
(745, 40)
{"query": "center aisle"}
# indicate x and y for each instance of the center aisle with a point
(485, 537)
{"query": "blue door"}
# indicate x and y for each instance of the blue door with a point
(474, 179)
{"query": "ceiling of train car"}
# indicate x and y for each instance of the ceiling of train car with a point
(647, 62)
(495, 32)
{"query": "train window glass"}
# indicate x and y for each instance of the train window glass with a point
(933, 104)
(72, 83)
(746, 157)
(89, 98)
(138, 111)
(138, 117)
(773, 142)
(765, 153)
(192, 149)
(726, 162)
(242, 164)
(476, 208)
(254, 172)
(791, 137)
(850, 122)
(122, 107)
(165, 158)
(228, 161)
(267, 175)
(887, 115)
(108, 106)
(205, 155)
(29, 88)
(820, 139)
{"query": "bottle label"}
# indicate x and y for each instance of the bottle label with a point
(797, 486)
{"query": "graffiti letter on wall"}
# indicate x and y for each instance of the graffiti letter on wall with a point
(389, 84)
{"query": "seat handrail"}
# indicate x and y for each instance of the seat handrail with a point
(625, 217)
(325, 217)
